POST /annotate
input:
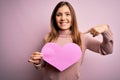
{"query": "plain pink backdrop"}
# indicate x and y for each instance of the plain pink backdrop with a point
(24, 23)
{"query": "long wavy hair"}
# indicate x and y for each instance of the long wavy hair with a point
(53, 35)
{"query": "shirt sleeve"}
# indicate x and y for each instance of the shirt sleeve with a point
(42, 63)
(104, 47)
(40, 66)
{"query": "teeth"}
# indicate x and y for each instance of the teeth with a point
(63, 23)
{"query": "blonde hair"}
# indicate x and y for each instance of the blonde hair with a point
(53, 35)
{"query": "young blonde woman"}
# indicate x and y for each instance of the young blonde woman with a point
(64, 29)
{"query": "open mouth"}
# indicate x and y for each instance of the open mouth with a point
(63, 23)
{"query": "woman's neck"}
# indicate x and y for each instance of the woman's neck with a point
(65, 33)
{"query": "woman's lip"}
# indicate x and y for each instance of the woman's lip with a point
(63, 23)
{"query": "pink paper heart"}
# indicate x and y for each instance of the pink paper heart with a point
(61, 57)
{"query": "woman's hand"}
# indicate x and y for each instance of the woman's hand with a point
(97, 30)
(35, 58)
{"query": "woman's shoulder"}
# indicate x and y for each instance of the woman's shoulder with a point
(46, 37)
(84, 36)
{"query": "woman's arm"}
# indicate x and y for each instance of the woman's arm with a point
(40, 65)
(106, 46)
(36, 58)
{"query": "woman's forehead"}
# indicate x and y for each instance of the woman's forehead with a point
(63, 8)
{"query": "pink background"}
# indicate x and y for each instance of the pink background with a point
(23, 23)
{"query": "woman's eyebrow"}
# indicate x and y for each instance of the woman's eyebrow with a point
(66, 12)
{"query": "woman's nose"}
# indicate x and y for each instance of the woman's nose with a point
(63, 17)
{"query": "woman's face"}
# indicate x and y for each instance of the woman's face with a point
(63, 18)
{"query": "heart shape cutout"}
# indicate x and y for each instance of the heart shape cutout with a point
(61, 57)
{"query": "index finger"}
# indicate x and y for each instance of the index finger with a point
(88, 31)
(36, 53)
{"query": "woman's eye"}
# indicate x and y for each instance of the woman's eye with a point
(58, 14)
(68, 14)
